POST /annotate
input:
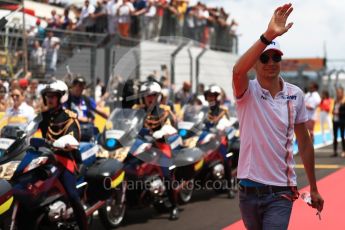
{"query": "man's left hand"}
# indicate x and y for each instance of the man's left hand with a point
(316, 200)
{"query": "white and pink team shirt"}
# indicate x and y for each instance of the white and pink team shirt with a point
(266, 129)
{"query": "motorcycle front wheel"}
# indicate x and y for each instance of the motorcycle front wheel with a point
(186, 193)
(112, 213)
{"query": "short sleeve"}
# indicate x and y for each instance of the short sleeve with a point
(131, 7)
(301, 109)
(93, 103)
(246, 94)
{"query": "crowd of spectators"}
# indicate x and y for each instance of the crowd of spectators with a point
(146, 19)
(138, 19)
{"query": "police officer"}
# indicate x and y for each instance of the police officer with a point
(216, 113)
(56, 123)
(158, 115)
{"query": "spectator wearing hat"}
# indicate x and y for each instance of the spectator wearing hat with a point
(39, 30)
(83, 106)
(23, 83)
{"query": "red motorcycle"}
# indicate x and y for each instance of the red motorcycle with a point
(40, 201)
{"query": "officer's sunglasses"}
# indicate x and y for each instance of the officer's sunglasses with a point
(265, 58)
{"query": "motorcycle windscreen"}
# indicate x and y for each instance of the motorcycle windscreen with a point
(194, 113)
(124, 125)
(14, 137)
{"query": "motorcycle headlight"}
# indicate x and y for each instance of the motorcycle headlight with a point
(157, 187)
(111, 143)
(218, 171)
(183, 132)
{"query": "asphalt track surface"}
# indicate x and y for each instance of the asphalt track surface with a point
(209, 210)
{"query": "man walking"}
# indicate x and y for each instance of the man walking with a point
(270, 111)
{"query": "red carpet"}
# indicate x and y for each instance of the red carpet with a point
(332, 189)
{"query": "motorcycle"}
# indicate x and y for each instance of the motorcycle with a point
(40, 200)
(14, 142)
(142, 158)
(192, 130)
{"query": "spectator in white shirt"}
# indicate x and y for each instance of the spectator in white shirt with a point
(124, 12)
(112, 7)
(86, 22)
(20, 113)
(149, 20)
(37, 59)
(202, 15)
(312, 100)
(51, 47)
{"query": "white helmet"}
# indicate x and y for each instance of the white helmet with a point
(149, 88)
(59, 87)
(214, 89)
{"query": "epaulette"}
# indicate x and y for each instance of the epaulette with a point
(71, 114)
(165, 107)
(138, 106)
(222, 107)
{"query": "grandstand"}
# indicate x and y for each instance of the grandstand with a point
(200, 46)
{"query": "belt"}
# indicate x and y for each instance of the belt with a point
(267, 189)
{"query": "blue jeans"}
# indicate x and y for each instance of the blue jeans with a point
(265, 211)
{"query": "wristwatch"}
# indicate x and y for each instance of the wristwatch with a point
(264, 40)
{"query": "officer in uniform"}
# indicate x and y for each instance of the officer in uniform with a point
(158, 115)
(58, 122)
(216, 113)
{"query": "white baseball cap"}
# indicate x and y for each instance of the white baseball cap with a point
(274, 46)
